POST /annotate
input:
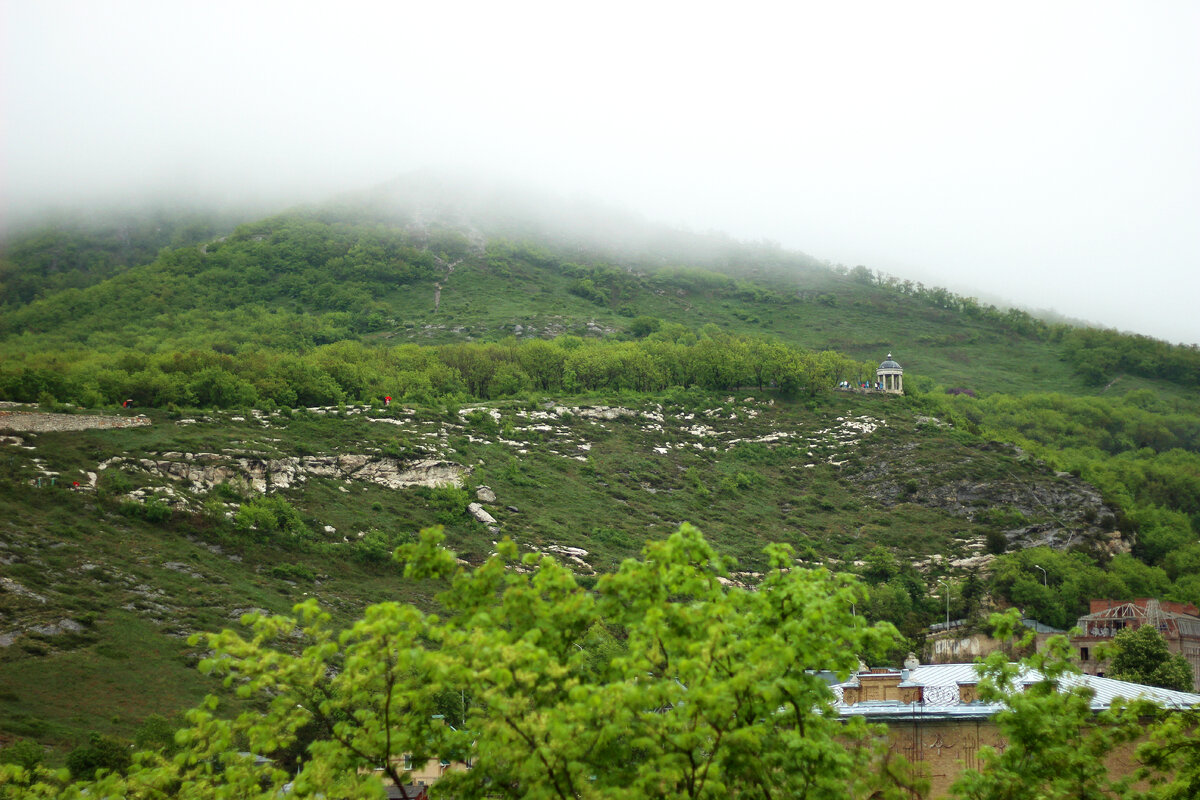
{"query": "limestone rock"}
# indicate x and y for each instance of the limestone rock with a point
(480, 514)
(206, 470)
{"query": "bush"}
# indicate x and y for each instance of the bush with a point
(996, 542)
(450, 503)
(272, 518)
(101, 752)
(23, 753)
(156, 510)
(156, 734)
(113, 481)
(644, 326)
(375, 547)
(293, 572)
(226, 492)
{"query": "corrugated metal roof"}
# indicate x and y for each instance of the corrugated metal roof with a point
(1039, 627)
(945, 704)
(1108, 689)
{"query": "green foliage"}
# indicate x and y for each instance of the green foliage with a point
(1060, 597)
(586, 288)
(1171, 755)
(880, 565)
(292, 572)
(23, 753)
(450, 502)
(1100, 355)
(1057, 747)
(73, 254)
(156, 510)
(643, 326)
(100, 753)
(270, 517)
(706, 689)
(996, 542)
(156, 734)
(1140, 655)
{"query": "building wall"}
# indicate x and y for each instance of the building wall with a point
(951, 649)
(948, 747)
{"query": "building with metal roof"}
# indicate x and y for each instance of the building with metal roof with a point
(932, 690)
(934, 715)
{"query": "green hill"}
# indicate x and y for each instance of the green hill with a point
(574, 378)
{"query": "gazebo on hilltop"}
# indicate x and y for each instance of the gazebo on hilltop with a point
(890, 376)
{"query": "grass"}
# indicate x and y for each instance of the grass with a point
(598, 484)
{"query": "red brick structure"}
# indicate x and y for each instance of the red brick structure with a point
(1179, 623)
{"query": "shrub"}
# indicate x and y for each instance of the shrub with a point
(227, 492)
(156, 734)
(644, 326)
(23, 753)
(450, 502)
(272, 518)
(101, 752)
(114, 481)
(156, 510)
(292, 572)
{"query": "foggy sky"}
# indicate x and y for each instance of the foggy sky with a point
(1043, 153)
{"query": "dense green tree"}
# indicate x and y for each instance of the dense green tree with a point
(1171, 755)
(23, 753)
(1141, 655)
(706, 691)
(156, 734)
(100, 753)
(644, 326)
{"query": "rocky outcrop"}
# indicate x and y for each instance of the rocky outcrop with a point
(35, 422)
(1033, 505)
(11, 586)
(203, 471)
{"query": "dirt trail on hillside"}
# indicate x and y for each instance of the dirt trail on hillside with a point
(437, 287)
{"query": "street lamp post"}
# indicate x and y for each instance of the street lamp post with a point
(1043, 569)
(947, 590)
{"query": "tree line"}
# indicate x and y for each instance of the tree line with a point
(351, 371)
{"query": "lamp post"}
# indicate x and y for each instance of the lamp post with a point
(1043, 569)
(947, 590)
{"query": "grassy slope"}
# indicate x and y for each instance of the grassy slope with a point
(480, 299)
(140, 587)
(621, 494)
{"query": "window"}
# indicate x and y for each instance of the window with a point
(1083, 654)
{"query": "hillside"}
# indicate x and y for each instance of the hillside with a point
(181, 525)
(580, 389)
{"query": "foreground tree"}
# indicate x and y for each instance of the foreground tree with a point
(665, 682)
(1058, 747)
(1171, 755)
